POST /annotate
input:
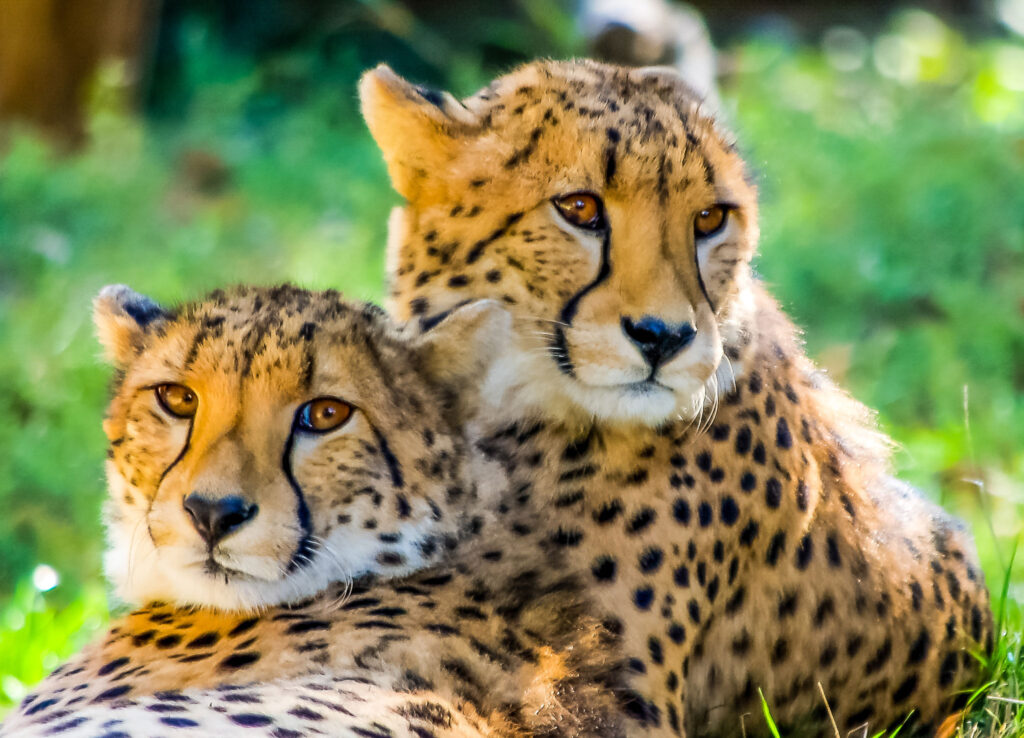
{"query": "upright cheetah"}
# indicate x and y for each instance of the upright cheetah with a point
(732, 507)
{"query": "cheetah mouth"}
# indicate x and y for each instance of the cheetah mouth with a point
(213, 568)
(644, 387)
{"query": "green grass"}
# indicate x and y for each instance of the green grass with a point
(891, 230)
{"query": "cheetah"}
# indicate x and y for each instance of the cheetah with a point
(732, 509)
(318, 436)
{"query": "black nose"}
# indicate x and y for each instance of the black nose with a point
(657, 340)
(216, 518)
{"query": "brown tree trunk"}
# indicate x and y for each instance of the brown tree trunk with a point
(50, 51)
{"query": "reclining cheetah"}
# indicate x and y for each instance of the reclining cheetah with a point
(265, 443)
(733, 508)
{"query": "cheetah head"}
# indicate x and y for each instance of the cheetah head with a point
(600, 203)
(266, 443)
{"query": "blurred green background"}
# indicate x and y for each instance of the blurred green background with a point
(889, 152)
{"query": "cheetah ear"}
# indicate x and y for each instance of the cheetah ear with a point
(123, 318)
(459, 351)
(417, 129)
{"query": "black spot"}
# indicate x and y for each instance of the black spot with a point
(787, 605)
(676, 633)
(747, 482)
(906, 688)
(243, 627)
(832, 547)
(704, 461)
(655, 650)
(743, 440)
(713, 589)
(801, 495)
(306, 626)
(775, 548)
(916, 595)
(681, 576)
(919, 649)
(168, 641)
(780, 652)
(251, 720)
(239, 660)
(205, 640)
(640, 709)
(783, 438)
(113, 693)
(567, 538)
(704, 514)
(604, 568)
(608, 512)
(880, 658)
(730, 511)
(734, 603)
(650, 560)
(643, 598)
(860, 717)
(749, 533)
(112, 665)
(947, 670)
(681, 511)
(804, 552)
(694, 609)
(641, 520)
(772, 492)
(179, 722)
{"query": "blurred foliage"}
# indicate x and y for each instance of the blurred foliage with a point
(893, 230)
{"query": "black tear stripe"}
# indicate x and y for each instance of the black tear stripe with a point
(393, 466)
(558, 347)
(303, 552)
(181, 454)
(165, 472)
(700, 279)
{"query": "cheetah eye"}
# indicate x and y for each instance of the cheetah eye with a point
(322, 415)
(710, 221)
(177, 399)
(582, 209)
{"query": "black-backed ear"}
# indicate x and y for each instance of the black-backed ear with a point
(417, 129)
(459, 350)
(123, 318)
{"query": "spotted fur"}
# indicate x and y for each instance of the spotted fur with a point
(375, 495)
(731, 507)
(495, 638)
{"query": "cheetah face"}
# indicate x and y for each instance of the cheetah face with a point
(599, 203)
(266, 443)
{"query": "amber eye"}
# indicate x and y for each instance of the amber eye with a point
(710, 220)
(178, 400)
(322, 415)
(582, 209)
